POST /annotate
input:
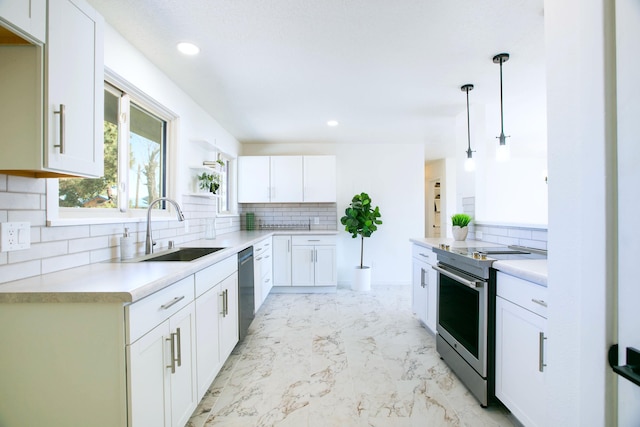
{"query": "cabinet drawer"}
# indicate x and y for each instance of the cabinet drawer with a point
(146, 314)
(526, 294)
(313, 240)
(424, 254)
(261, 246)
(208, 277)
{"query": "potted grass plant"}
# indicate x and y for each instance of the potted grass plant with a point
(361, 219)
(460, 221)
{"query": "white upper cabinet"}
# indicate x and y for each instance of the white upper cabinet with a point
(319, 178)
(286, 179)
(75, 110)
(253, 179)
(27, 16)
(53, 124)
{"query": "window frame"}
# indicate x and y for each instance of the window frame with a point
(70, 216)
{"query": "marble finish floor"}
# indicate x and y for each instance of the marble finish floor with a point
(340, 360)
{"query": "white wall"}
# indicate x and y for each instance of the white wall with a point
(578, 379)
(194, 123)
(393, 175)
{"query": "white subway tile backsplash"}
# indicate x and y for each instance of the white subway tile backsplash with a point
(20, 270)
(61, 247)
(88, 244)
(20, 184)
(291, 214)
(19, 201)
(50, 265)
(34, 217)
(38, 251)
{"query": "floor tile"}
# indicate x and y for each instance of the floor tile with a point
(346, 359)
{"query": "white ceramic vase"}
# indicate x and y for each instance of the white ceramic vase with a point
(460, 233)
(362, 279)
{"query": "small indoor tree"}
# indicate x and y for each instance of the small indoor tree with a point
(361, 219)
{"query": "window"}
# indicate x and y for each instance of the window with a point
(135, 159)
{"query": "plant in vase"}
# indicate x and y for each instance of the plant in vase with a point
(460, 222)
(361, 219)
(209, 182)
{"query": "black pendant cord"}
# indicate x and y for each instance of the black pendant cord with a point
(467, 88)
(500, 59)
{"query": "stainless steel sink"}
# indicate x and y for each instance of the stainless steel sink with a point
(183, 254)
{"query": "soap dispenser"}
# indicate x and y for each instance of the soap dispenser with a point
(127, 245)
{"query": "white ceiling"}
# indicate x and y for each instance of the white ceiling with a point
(388, 70)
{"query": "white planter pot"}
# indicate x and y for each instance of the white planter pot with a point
(460, 233)
(361, 279)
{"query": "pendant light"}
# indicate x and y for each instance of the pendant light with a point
(469, 163)
(502, 153)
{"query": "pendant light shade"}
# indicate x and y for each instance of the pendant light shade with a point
(502, 153)
(469, 163)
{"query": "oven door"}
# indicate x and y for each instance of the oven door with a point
(462, 315)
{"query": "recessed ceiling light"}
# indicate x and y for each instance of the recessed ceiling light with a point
(332, 123)
(188, 48)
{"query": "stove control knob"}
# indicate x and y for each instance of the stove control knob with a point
(476, 255)
(483, 256)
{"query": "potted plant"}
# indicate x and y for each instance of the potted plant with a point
(361, 219)
(209, 182)
(460, 221)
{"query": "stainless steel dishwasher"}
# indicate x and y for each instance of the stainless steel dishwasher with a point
(246, 300)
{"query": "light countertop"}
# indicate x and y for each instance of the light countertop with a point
(125, 282)
(533, 270)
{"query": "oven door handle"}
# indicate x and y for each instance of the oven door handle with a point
(469, 283)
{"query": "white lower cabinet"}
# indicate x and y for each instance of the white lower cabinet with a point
(281, 260)
(520, 348)
(262, 271)
(425, 286)
(305, 261)
(161, 362)
(216, 319)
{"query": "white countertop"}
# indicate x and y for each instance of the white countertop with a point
(125, 282)
(533, 270)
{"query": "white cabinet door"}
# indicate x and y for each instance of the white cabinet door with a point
(253, 179)
(432, 298)
(419, 290)
(520, 376)
(149, 378)
(207, 336)
(74, 56)
(286, 179)
(29, 16)
(281, 261)
(320, 179)
(229, 333)
(183, 393)
(303, 266)
(326, 273)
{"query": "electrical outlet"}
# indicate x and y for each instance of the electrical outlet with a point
(478, 235)
(15, 236)
(186, 225)
(316, 220)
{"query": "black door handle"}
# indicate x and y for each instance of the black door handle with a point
(631, 370)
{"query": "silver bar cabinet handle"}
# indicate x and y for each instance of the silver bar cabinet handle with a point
(173, 353)
(62, 131)
(172, 302)
(539, 301)
(541, 363)
(179, 347)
